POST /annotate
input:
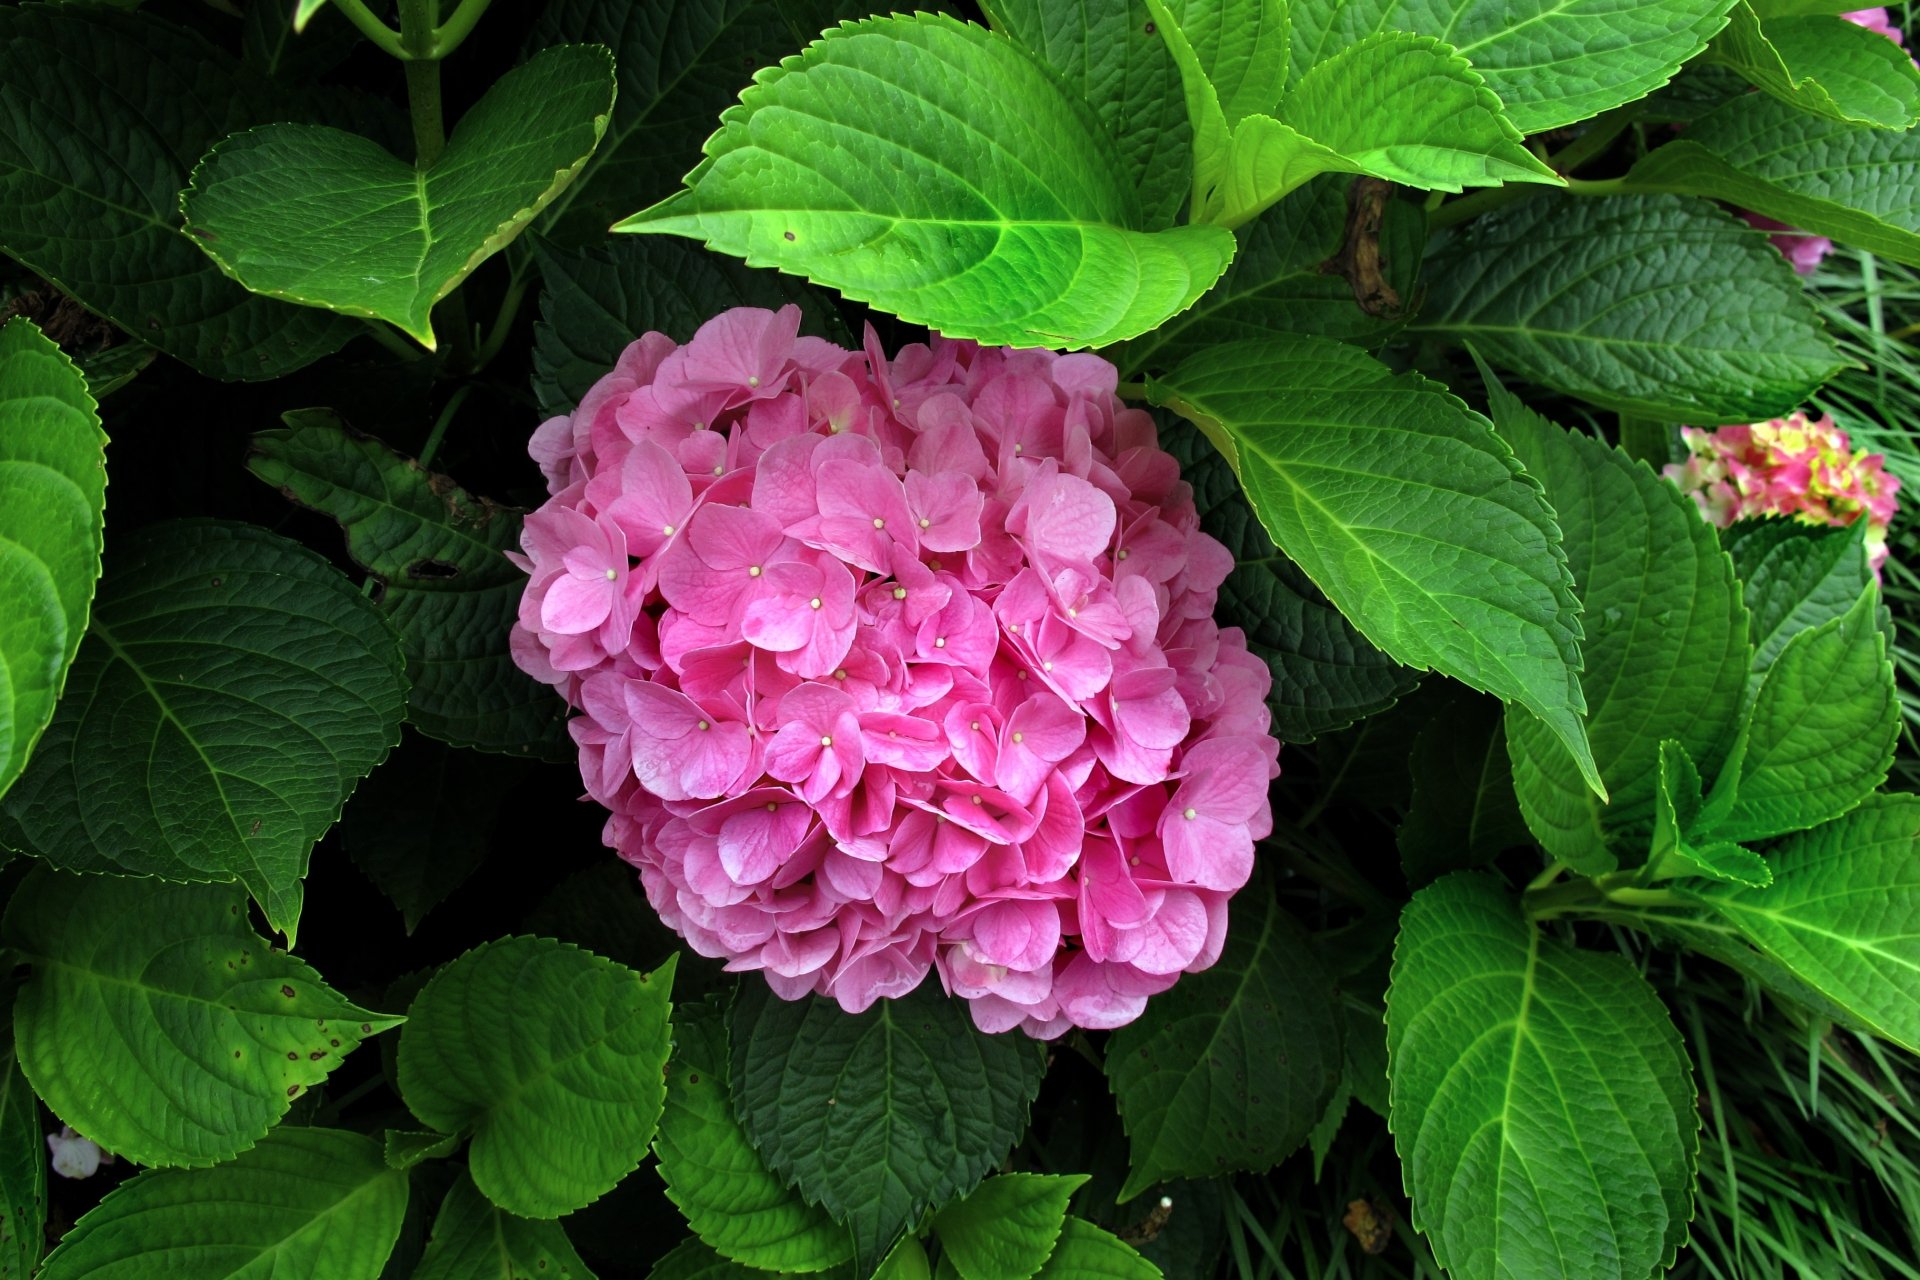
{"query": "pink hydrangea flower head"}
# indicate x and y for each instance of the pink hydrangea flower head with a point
(1878, 21)
(1805, 252)
(1800, 467)
(889, 666)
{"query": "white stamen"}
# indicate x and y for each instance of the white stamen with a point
(703, 726)
(975, 726)
(754, 572)
(771, 806)
(925, 523)
(814, 603)
(878, 523)
(1121, 554)
(1073, 613)
(667, 529)
(753, 380)
(841, 674)
(826, 739)
(613, 575)
(719, 471)
(1191, 814)
(1019, 448)
(939, 642)
(978, 800)
(899, 593)
(1021, 674)
(1018, 736)
(1046, 666)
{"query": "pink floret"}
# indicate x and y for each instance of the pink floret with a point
(890, 665)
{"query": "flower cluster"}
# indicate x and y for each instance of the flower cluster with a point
(1794, 466)
(1805, 251)
(889, 665)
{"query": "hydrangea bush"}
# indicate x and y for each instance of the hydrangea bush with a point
(725, 582)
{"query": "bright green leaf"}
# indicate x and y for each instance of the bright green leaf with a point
(679, 65)
(475, 1240)
(1794, 576)
(1232, 1073)
(552, 1057)
(314, 1203)
(158, 1024)
(1325, 674)
(1023, 231)
(1677, 808)
(880, 1115)
(23, 1166)
(716, 1178)
(1843, 914)
(1652, 305)
(1820, 732)
(425, 820)
(1085, 1252)
(232, 689)
(53, 493)
(90, 178)
(405, 1148)
(330, 219)
(1405, 508)
(1666, 645)
(1106, 55)
(1543, 1105)
(1289, 275)
(596, 301)
(1857, 184)
(1241, 46)
(303, 12)
(1007, 1227)
(1824, 65)
(1552, 62)
(440, 556)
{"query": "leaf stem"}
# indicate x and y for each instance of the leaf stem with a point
(423, 105)
(448, 36)
(1600, 135)
(509, 310)
(384, 37)
(1454, 212)
(392, 341)
(432, 446)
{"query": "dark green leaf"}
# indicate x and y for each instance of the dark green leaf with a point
(936, 171)
(1823, 64)
(53, 492)
(1794, 576)
(23, 1166)
(1543, 1105)
(1108, 55)
(1463, 812)
(728, 1195)
(1857, 184)
(1677, 850)
(1820, 731)
(1085, 1252)
(878, 1116)
(158, 1024)
(397, 238)
(232, 689)
(422, 823)
(552, 1057)
(102, 116)
(1652, 305)
(594, 302)
(474, 1240)
(1405, 508)
(1232, 1071)
(1289, 275)
(445, 581)
(313, 1203)
(1666, 644)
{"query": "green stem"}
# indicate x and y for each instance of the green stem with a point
(447, 37)
(1598, 187)
(392, 341)
(509, 310)
(1454, 212)
(439, 431)
(423, 105)
(384, 37)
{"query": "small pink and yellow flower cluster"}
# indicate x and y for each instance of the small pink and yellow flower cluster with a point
(1794, 466)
